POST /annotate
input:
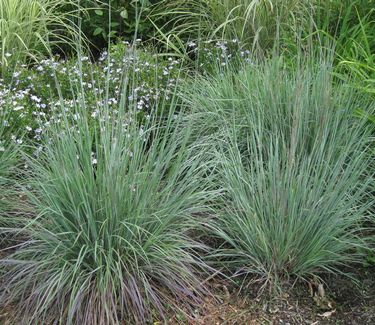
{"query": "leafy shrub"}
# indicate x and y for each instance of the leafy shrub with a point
(292, 156)
(115, 19)
(114, 208)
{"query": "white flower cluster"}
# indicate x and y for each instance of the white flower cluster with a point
(33, 98)
(218, 52)
(122, 79)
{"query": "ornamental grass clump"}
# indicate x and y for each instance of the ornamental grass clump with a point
(254, 23)
(292, 156)
(29, 28)
(8, 163)
(115, 204)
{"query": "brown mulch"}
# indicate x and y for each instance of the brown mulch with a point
(341, 301)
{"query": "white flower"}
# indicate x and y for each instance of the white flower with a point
(38, 151)
(103, 56)
(35, 99)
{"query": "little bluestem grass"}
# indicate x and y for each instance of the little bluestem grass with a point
(292, 157)
(115, 205)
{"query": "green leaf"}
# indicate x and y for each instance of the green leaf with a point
(97, 31)
(114, 24)
(99, 12)
(124, 14)
(112, 33)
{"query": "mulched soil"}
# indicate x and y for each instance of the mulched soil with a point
(344, 301)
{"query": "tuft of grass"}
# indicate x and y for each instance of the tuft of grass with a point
(255, 23)
(29, 28)
(8, 163)
(115, 206)
(356, 56)
(349, 25)
(291, 156)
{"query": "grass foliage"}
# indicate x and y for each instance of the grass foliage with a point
(349, 25)
(29, 28)
(255, 23)
(8, 164)
(114, 210)
(291, 158)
